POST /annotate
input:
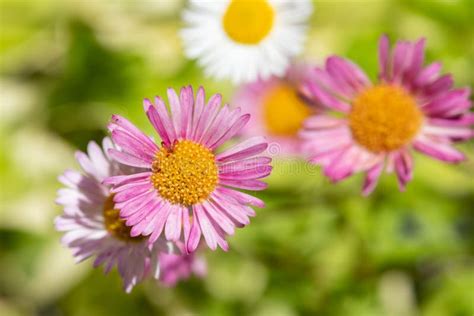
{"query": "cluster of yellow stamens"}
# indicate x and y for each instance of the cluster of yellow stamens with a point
(248, 21)
(114, 224)
(284, 111)
(384, 118)
(184, 174)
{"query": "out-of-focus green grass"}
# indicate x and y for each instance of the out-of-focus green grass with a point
(317, 249)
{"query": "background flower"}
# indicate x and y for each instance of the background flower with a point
(92, 226)
(179, 267)
(277, 110)
(245, 40)
(412, 106)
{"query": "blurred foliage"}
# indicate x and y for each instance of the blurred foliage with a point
(316, 249)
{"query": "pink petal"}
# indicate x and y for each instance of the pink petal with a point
(255, 185)
(160, 221)
(458, 133)
(372, 178)
(248, 148)
(320, 121)
(326, 99)
(403, 168)
(206, 227)
(161, 125)
(240, 197)
(197, 113)
(132, 147)
(173, 224)
(194, 235)
(231, 208)
(129, 160)
(207, 116)
(119, 180)
(231, 131)
(255, 172)
(384, 63)
(417, 60)
(220, 123)
(134, 131)
(441, 151)
(218, 217)
(240, 165)
(400, 60)
(427, 75)
(348, 76)
(175, 109)
(186, 98)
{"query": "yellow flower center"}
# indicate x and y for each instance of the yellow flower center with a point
(248, 21)
(185, 174)
(114, 224)
(384, 118)
(284, 111)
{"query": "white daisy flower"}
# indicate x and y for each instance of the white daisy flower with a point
(245, 40)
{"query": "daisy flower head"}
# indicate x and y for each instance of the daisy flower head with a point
(187, 186)
(244, 40)
(176, 267)
(411, 106)
(277, 109)
(91, 223)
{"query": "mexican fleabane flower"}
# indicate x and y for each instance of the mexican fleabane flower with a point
(92, 226)
(244, 40)
(187, 186)
(175, 267)
(411, 106)
(277, 110)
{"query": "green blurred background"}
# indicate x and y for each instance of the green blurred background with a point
(317, 249)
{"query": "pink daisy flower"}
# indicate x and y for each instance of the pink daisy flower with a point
(276, 108)
(187, 186)
(91, 223)
(410, 107)
(177, 267)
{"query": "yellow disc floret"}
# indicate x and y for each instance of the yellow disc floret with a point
(248, 21)
(114, 224)
(284, 111)
(384, 118)
(185, 174)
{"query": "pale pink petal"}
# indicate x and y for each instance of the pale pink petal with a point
(372, 178)
(240, 197)
(255, 185)
(248, 148)
(173, 224)
(128, 159)
(441, 151)
(175, 108)
(384, 58)
(186, 98)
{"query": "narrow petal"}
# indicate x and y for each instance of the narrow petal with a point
(441, 151)
(240, 197)
(173, 224)
(161, 125)
(134, 131)
(326, 99)
(129, 160)
(403, 168)
(255, 185)
(248, 148)
(384, 62)
(372, 178)
(186, 98)
(194, 234)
